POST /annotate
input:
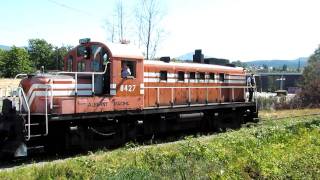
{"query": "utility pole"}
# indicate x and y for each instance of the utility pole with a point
(281, 81)
(299, 65)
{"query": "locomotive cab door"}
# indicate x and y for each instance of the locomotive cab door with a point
(99, 61)
(94, 58)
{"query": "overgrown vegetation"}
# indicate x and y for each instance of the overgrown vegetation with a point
(278, 103)
(276, 149)
(310, 85)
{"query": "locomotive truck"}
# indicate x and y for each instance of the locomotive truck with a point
(92, 104)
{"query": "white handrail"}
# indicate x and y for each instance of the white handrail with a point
(200, 87)
(18, 75)
(84, 73)
(46, 108)
(195, 87)
(21, 92)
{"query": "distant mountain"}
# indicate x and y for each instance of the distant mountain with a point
(3, 47)
(186, 57)
(189, 57)
(270, 63)
(279, 63)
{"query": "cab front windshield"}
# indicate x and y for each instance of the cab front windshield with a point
(94, 57)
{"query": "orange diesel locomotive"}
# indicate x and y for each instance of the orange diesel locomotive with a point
(108, 94)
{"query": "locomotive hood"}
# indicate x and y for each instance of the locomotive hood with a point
(42, 80)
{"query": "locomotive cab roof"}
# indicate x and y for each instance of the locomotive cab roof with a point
(116, 49)
(124, 50)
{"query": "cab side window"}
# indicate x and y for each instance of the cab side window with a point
(221, 77)
(163, 75)
(70, 63)
(202, 75)
(97, 61)
(180, 76)
(81, 66)
(192, 75)
(128, 69)
(211, 76)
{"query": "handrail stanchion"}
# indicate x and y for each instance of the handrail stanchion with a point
(51, 97)
(92, 83)
(76, 83)
(189, 95)
(232, 90)
(158, 95)
(172, 96)
(46, 108)
(207, 96)
(20, 99)
(255, 98)
(220, 94)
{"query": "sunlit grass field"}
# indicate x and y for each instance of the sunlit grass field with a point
(285, 148)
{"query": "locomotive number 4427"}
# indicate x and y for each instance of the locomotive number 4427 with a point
(127, 87)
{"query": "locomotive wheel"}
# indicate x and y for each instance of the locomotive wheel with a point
(111, 134)
(226, 121)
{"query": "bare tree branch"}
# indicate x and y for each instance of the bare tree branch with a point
(148, 19)
(117, 26)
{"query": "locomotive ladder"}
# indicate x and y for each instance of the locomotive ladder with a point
(26, 114)
(27, 117)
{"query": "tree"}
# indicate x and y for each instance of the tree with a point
(265, 67)
(120, 15)
(2, 53)
(117, 26)
(58, 54)
(110, 26)
(148, 20)
(299, 64)
(16, 61)
(311, 80)
(238, 63)
(41, 53)
(285, 68)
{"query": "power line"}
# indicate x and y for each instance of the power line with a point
(71, 8)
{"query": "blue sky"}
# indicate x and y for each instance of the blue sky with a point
(234, 29)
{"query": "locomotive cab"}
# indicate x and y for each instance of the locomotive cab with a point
(94, 58)
(113, 72)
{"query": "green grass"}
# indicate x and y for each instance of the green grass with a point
(273, 149)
